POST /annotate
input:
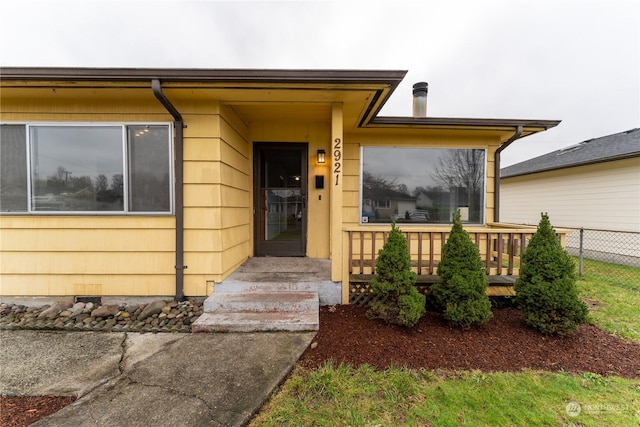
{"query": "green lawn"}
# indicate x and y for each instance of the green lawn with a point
(346, 396)
(349, 396)
(613, 294)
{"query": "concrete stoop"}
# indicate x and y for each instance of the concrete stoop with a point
(262, 308)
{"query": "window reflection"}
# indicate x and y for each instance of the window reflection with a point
(422, 185)
(13, 171)
(77, 168)
(85, 168)
(150, 183)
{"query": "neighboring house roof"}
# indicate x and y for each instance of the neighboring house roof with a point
(388, 194)
(618, 146)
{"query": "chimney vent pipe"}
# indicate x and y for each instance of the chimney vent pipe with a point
(420, 90)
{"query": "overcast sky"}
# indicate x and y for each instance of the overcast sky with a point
(573, 60)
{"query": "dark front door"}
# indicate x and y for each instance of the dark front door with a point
(280, 202)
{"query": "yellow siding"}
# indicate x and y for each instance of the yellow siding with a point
(86, 284)
(202, 195)
(201, 263)
(235, 236)
(196, 284)
(203, 240)
(201, 150)
(234, 178)
(96, 262)
(65, 104)
(84, 255)
(232, 207)
(236, 197)
(202, 173)
(201, 218)
(85, 240)
(217, 193)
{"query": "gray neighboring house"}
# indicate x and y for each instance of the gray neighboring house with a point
(594, 184)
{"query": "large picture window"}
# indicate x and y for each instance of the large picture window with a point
(422, 185)
(86, 168)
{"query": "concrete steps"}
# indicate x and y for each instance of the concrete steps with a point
(265, 308)
(255, 322)
(270, 294)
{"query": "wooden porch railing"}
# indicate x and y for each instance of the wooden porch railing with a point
(500, 246)
(500, 249)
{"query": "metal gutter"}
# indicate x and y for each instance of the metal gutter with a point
(471, 123)
(156, 86)
(496, 173)
(200, 75)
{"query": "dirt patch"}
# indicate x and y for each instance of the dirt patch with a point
(506, 343)
(593, 304)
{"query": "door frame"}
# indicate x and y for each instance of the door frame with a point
(279, 248)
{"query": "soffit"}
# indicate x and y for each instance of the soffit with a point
(453, 127)
(276, 112)
(278, 103)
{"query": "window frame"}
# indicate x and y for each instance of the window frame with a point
(124, 146)
(363, 221)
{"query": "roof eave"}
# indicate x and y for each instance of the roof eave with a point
(574, 165)
(389, 77)
(471, 123)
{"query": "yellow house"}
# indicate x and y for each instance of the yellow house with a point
(163, 182)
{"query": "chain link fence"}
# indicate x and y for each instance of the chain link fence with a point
(601, 252)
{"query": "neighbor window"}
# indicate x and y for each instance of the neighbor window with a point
(85, 168)
(422, 185)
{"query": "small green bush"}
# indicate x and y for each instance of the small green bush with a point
(461, 292)
(399, 301)
(546, 290)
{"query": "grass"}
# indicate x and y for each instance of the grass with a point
(613, 291)
(347, 396)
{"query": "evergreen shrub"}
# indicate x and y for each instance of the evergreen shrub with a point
(461, 292)
(399, 301)
(546, 290)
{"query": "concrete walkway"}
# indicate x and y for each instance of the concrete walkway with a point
(132, 379)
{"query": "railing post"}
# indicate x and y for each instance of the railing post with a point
(581, 252)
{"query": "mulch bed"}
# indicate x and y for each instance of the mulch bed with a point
(506, 343)
(21, 411)
(346, 336)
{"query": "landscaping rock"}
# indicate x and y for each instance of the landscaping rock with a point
(105, 311)
(152, 308)
(54, 310)
(85, 317)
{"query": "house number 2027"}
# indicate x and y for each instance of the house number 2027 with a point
(337, 159)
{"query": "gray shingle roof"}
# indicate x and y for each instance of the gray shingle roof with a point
(597, 150)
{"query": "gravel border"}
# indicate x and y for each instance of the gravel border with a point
(156, 316)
